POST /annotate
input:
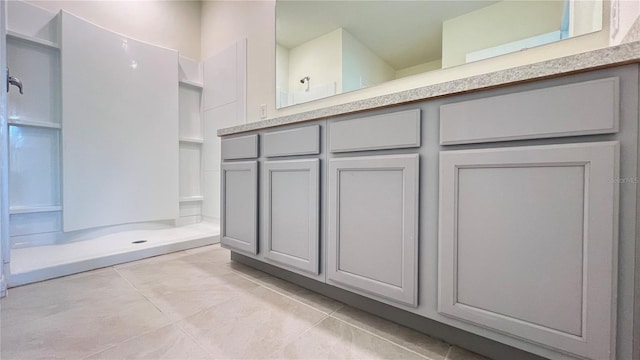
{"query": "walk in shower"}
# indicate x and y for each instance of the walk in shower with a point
(105, 148)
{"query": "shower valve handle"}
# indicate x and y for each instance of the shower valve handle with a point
(11, 80)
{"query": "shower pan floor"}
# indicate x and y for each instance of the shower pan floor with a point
(46, 262)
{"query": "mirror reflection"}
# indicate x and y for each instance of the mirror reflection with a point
(324, 48)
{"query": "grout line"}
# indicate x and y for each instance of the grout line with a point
(296, 338)
(337, 309)
(125, 340)
(193, 337)
(446, 357)
(383, 338)
(171, 321)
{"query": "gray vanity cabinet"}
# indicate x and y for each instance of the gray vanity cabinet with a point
(291, 213)
(372, 214)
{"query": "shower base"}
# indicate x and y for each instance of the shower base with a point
(39, 263)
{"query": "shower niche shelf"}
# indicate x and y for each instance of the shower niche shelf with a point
(191, 198)
(194, 84)
(13, 210)
(32, 39)
(39, 124)
(191, 140)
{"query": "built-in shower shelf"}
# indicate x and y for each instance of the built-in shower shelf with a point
(191, 140)
(32, 39)
(191, 198)
(40, 124)
(191, 83)
(33, 209)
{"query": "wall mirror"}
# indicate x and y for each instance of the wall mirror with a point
(324, 48)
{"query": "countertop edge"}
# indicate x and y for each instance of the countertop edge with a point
(601, 58)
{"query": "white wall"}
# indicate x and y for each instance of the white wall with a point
(628, 12)
(419, 69)
(171, 24)
(320, 59)
(498, 24)
(282, 72)
(226, 22)
(360, 65)
(224, 105)
(585, 17)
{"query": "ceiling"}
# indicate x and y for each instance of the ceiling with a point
(403, 33)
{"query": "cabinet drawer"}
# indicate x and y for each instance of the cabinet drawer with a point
(241, 147)
(584, 108)
(300, 141)
(389, 131)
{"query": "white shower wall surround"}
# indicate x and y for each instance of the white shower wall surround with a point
(131, 143)
(120, 108)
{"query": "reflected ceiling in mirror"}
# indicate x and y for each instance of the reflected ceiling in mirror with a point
(325, 48)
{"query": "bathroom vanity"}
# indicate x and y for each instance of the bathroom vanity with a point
(503, 206)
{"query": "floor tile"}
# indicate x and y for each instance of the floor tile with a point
(73, 317)
(334, 339)
(251, 325)
(212, 254)
(166, 343)
(411, 339)
(457, 353)
(182, 287)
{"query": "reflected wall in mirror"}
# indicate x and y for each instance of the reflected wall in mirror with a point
(325, 48)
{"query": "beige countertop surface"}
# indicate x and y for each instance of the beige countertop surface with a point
(596, 59)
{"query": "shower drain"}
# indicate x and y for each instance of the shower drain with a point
(139, 241)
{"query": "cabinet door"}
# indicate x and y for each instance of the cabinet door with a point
(239, 206)
(290, 193)
(373, 225)
(528, 243)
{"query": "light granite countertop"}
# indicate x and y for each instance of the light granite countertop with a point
(607, 57)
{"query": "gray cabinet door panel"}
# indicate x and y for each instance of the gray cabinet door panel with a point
(239, 206)
(291, 194)
(527, 242)
(373, 225)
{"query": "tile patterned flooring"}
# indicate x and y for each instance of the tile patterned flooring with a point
(196, 304)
